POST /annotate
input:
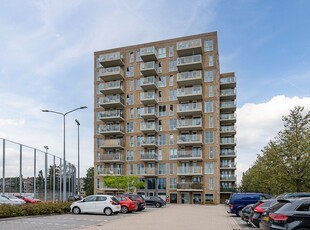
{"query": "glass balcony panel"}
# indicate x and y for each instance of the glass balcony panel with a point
(148, 54)
(189, 47)
(189, 63)
(189, 78)
(111, 59)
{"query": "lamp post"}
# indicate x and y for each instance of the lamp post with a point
(45, 181)
(78, 184)
(64, 194)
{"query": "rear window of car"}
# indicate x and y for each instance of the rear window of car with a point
(304, 207)
(276, 206)
(114, 199)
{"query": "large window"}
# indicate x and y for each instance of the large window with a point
(208, 46)
(161, 183)
(209, 107)
(173, 65)
(209, 137)
(172, 124)
(211, 61)
(129, 155)
(162, 139)
(173, 183)
(129, 100)
(129, 127)
(162, 110)
(173, 154)
(171, 168)
(161, 52)
(209, 76)
(130, 71)
(211, 93)
(131, 57)
(171, 80)
(172, 95)
(209, 168)
(171, 51)
(162, 81)
(162, 168)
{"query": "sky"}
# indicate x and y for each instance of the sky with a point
(46, 62)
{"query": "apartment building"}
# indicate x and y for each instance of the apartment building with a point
(164, 112)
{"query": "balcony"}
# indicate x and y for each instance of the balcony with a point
(111, 115)
(228, 189)
(189, 109)
(148, 98)
(112, 172)
(189, 47)
(189, 63)
(227, 153)
(149, 142)
(189, 171)
(149, 113)
(148, 172)
(228, 178)
(108, 130)
(228, 129)
(227, 82)
(189, 124)
(189, 78)
(230, 165)
(227, 118)
(189, 186)
(111, 87)
(149, 83)
(228, 94)
(115, 157)
(111, 74)
(149, 68)
(148, 54)
(111, 59)
(189, 139)
(189, 155)
(228, 106)
(111, 101)
(148, 127)
(113, 143)
(228, 141)
(149, 157)
(191, 93)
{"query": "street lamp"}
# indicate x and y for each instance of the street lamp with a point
(78, 125)
(45, 181)
(64, 194)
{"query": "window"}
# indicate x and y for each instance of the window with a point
(159, 96)
(97, 76)
(208, 106)
(305, 207)
(130, 99)
(160, 67)
(160, 154)
(172, 95)
(129, 128)
(161, 183)
(173, 154)
(209, 168)
(131, 85)
(209, 76)
(209, 197)
(131, 172)
(131, 141)
(171, 51)
(211, 93)
(211, 184)
(129, 155)
(208, 46)
(160, 125)
(171, 168)
(211, 60)
(211, 125)
(162, 139)
(171, 140)
(131, 57)
(173, 183)
(100, 169)
(161, 52)
(99, 142)
(131, 113)
(138, 57)
(211, 152)
(139, 112)
(98, 183)
(130, 71)
(171, 80)
(162, 169)
(138, 86)
(172, 124)
(209, 137)
(171, 113)
(139, 140)
(162, 81)
(162, 110)
(173, 65)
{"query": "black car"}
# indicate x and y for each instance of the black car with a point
(139, 199)
(293, 195)
(288, 214)
(155, 201)
(257, 210)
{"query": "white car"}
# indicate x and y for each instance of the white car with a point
(14, 200)
(105, 204)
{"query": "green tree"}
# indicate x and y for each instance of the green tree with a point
(89, 181)
(126, 183)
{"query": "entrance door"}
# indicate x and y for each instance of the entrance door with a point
(185, 198)
(173, 198)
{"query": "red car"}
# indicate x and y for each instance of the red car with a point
(28, 199)
(127, 205)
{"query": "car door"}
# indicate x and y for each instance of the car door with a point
(88, 204)
(101, 204)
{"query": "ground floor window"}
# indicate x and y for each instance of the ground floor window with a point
(209, 197)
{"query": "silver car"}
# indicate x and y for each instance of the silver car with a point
(14, 200)
(105, 204)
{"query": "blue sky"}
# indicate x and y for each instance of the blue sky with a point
(46, 62)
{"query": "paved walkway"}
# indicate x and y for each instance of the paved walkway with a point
(175, 217)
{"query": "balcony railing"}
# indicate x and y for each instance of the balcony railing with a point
(111, 73)
(189, 155)
(228, 189)
(227, 82)
(227, 153)
(194, 93)
(189, 108)
(228, 177)
(148, 127)
(228, 129)
(231, 165)
(148, 157)
(111, 101)
(227, 117)
(189, 139)
(149, 141)
(189, 47)
(189, 78)
(228, 141)
(189, 63)
(189, 186)
(191, 170)
(113, 171)
(149, 68)
(148, 171)
(115, 157)
(149, 97)
(148, 54)
(149, 113)
(149, 83)
(228, 93)
(228, 105)
(111, 59)
(112, 129)
(112, 115)
(113, 143)
(112, 87)
(189, 124)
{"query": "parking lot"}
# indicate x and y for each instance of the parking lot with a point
(169, 217)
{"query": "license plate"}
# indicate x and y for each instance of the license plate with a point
(266, 218)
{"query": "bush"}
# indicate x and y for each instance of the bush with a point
(34, 209)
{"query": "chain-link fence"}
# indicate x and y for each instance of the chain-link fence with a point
(28, 171)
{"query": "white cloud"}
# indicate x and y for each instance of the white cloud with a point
(259, 123)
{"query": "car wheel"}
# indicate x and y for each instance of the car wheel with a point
(239, 212)
(107, 211)
(157, 205)
(76, 210)
(124, 209)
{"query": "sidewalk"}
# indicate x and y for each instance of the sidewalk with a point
(174, 217)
